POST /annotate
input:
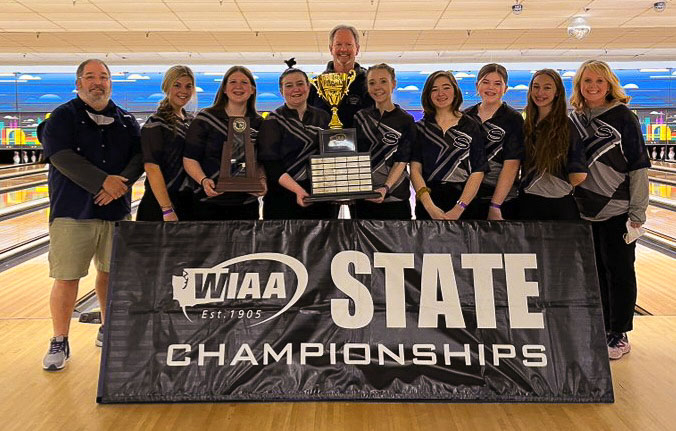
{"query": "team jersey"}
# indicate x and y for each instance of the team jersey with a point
(286, 139)
(614, 146)
(389, 138)
(451, 156)
(504, 141)
(550, 185)
(163, 144)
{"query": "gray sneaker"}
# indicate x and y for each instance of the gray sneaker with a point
(99, 337)
(58, 354)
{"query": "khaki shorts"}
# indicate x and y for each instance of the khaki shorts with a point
(73, 243)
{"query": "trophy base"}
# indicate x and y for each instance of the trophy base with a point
(342, 197)
(235, 184)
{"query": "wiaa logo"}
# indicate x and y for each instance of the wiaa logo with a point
(218, 284)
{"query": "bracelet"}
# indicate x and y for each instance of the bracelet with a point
(496, 206)
(167, 212)
(461, 204)
(387, 189)
(421, 191)
(202, 180)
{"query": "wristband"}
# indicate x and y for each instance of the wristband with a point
(202, 180)
(496, 206)
(461, 204)
(387, 189)
(167, 212)
(421, 191)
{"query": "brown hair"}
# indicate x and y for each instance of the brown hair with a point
(552, 134)
(81, 67)
(425, 98)
(221, 99)
(491, 68)
(382, 66)
(615, 90)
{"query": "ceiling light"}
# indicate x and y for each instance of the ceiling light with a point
(579, 27)
(659, 6)
(517, 8)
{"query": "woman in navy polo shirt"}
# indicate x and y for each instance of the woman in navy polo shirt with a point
(449, 158)
(504, 146)
(388, 133)
(163, 141)
(288, 137)
(554, 160)
(204, 146)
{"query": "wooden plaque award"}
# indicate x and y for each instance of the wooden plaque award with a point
(239, 172)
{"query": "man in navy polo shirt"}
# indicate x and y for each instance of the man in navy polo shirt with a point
(94, 151)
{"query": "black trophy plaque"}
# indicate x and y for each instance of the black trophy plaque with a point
(239, 172)
(340, 173)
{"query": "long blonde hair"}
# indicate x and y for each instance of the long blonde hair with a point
(615, 91)
(165, 111)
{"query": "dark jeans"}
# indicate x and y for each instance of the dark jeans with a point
(280, 204)
(534, 207)
(365, 210)
(149, 209)
(205, 211)
(617, 278)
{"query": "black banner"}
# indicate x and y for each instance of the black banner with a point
(354, 310)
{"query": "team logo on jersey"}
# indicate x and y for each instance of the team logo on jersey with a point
(462, 142)
(604, 132)
(353, 100)
(495, 134)
(390, 138)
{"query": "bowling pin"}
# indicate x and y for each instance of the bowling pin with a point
(33, 157)
(671, 153)
(16, 159)
(24, 156)
(654, 154)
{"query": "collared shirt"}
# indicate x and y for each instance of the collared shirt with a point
(108, 140)
(286, 139)
(356, 98)
(204, 143)
(550, 185)
(614, 146)
(504, 141)
(389, 138)
(163, 144)
(452, 156)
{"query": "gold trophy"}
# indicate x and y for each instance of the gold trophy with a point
(339, 173)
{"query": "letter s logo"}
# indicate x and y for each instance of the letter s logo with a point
(462, 142)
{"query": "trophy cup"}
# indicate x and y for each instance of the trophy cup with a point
(239, 172)
(339, 173)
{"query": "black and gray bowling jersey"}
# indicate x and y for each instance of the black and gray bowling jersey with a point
(614, 146)
(550, 185)
(163, 144)
(451, 156)
(389, 138)
(504, 141)
(290, 141)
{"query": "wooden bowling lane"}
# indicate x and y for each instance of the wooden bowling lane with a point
(25, 195)
(655, 272)
(661, 220)
(18, 181)
(22, 171)
(10, 169)
(22, 228)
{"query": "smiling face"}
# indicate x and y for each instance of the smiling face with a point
(94, 86)
(181, 92)
(380, 86)
(295, 90)
(442, 93)
(594, 88)
(344, 48)
(238, 88)
(543, 91)
(491, 88)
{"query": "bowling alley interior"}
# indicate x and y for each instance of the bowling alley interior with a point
(42, 42)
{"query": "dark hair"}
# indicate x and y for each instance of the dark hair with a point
(492, 68)
(221, 99)
(426, 101)
(382, 66)
(291, 62)
(553, 134)
(80, 68)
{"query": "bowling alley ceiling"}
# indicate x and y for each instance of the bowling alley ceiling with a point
(263, 31)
